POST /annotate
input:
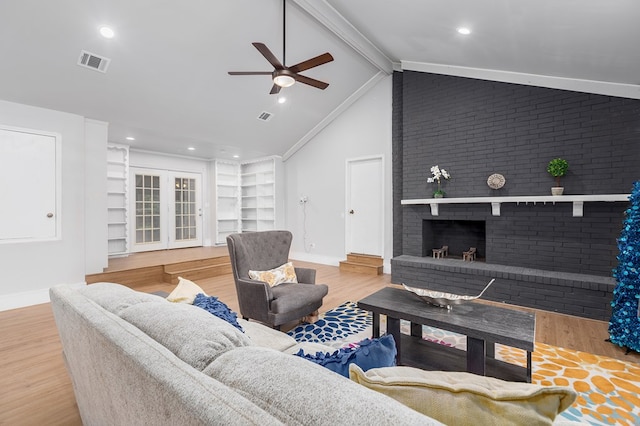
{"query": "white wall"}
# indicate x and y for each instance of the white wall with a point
(318, 170)
(30, 268)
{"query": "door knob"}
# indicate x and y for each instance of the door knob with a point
(351, 211)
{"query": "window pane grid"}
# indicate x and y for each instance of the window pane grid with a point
(185, 208)
(147, 209)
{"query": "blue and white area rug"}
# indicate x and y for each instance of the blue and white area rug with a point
(336, 328)
(608, 389)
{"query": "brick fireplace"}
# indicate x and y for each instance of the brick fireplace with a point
(458, 235)
(541, 255)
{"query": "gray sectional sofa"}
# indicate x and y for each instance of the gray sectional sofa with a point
(136, 359)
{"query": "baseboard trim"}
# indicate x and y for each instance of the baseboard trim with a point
(27, 298)
(315, 258)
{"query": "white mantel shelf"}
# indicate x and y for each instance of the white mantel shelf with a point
(577, 200)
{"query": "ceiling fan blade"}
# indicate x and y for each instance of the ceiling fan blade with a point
(311, 81)
(275, 90)
(250, 73)
(268, 55)
(313, 62)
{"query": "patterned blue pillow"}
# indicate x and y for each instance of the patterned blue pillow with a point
(217, 308)
(369, 353)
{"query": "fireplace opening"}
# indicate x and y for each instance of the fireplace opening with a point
(458, 235)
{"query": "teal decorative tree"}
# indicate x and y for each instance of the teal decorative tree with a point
(624, 326)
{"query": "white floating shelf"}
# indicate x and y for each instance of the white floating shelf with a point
(577, 200)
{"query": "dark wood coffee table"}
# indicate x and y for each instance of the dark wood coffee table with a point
(483, 324)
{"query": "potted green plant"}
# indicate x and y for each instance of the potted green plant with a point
(557, 168)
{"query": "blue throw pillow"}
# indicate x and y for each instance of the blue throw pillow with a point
(370, 353)
(217, 308)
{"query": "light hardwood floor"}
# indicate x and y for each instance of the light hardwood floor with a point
(36, 390)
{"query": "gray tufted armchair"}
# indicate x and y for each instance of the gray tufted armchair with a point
(286, 302)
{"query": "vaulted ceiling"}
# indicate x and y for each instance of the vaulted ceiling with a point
(167, 83)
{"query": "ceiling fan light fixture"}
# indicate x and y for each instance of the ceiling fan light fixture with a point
(283, 80)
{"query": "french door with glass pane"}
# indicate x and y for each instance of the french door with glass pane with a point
(166, 210)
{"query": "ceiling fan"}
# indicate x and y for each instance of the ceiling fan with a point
(282, 75)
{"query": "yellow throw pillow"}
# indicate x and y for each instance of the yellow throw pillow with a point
(282, 274)
(185, 292)
(458, 398)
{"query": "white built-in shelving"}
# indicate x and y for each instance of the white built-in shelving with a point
(258, 195)
(248, 195)
(117, 199)
(227, 186)
(577, 201)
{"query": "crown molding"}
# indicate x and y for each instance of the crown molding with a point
(631, 91)
(326, 15)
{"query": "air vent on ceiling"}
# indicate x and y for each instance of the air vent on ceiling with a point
(265, 116)
(93, 61)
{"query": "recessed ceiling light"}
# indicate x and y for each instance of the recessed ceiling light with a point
(282, 99)
(236, 156)
(106, 32)
(191, 148)
(130, 138)
(464, 31)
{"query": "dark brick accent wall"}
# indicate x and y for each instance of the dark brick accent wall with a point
(474, 128)
(396, 160)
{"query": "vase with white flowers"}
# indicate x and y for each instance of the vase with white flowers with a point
(437, 174)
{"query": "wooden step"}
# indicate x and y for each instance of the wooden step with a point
(360, 268)
(364, 259)
(197, 269)
(195, 274)
(191, 269)
(197, 263)
(362, 264)
(130, 277)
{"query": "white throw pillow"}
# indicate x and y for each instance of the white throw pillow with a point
(185, 292)
(282, 274)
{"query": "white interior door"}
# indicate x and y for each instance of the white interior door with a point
(365, 209)
(166, 209)
(29, 194)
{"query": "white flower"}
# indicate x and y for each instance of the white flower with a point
(438, 174)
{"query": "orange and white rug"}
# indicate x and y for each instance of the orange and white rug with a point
(608, 389)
